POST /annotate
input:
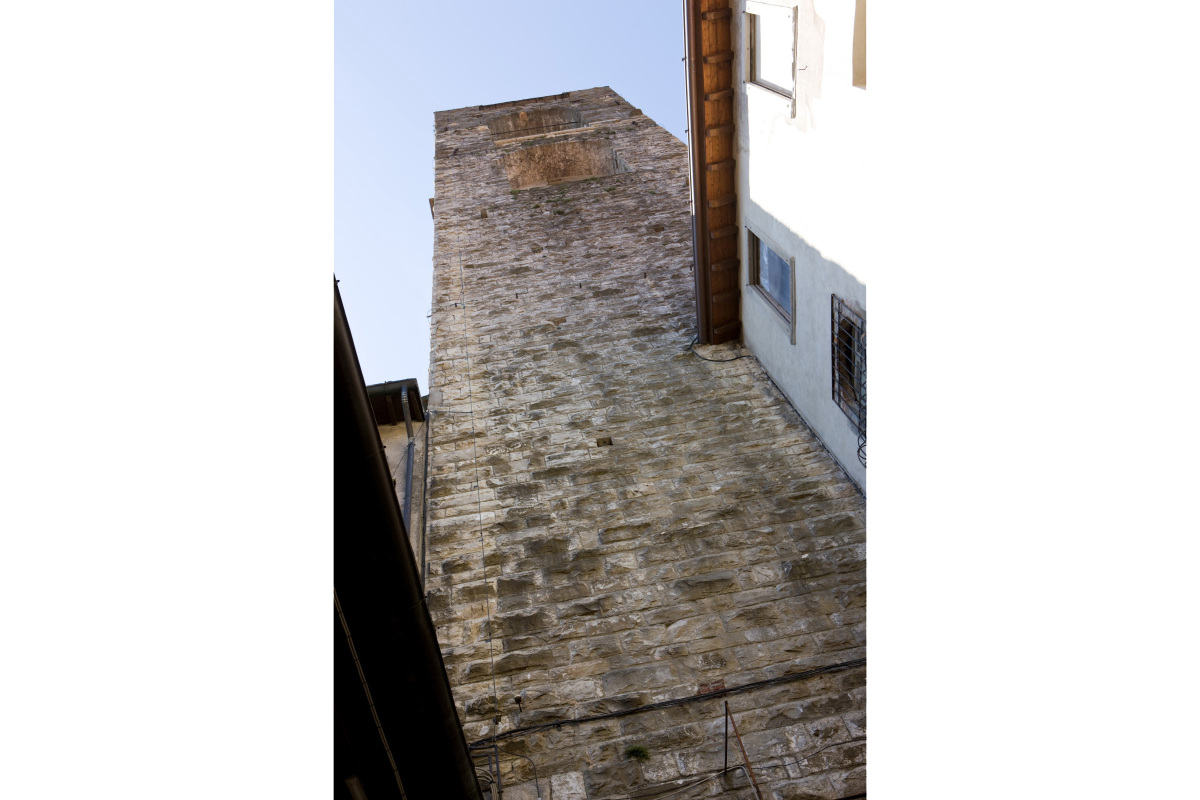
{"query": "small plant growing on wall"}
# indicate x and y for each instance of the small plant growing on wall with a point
(637, 752)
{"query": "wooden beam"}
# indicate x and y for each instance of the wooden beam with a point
(720, 165)
(731, 296)
(717, 58)
(699, 157)
(721, 233)
(717, 130)
(720, 13)
(727, 331)
(718, 95)
(725, 266)
(722, 201)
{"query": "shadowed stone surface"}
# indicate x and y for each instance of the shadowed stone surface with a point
(712, 542)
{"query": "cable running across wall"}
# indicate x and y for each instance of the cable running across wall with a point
(696, 353)
(487, 595)
(695, 698)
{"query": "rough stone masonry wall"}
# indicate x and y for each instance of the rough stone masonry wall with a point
(713, 543)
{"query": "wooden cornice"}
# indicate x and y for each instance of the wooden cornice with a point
(713, 137)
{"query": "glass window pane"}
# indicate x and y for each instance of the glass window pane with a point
(773, 51)
(775, 276)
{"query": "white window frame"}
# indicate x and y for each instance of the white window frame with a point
(759, 13)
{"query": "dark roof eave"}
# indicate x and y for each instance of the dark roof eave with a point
(394, 387)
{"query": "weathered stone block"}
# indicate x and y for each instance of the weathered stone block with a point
(609, 704)
(516, 585)
(637, 679)
(693, 629)
(624, 533)
(567, 786)
(704, 586)
(754, 617)
(606, 780)
(523, 661)
(519, 623)
(850, 782)
(856, 724)
(589, 607)
(816, 787)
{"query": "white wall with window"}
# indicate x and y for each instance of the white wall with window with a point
(805, 139)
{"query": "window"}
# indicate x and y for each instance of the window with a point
(771, 273)
(849, 337)
(772, 48)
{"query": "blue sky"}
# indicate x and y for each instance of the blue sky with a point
(396, 63)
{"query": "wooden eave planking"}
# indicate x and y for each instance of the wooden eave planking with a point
(712, 48)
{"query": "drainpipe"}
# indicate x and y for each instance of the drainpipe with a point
(408, 479)
(425, 501)
(379, 593)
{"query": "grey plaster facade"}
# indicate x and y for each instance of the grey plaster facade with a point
(410, 489)
(620, 533)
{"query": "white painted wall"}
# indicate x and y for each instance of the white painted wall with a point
(801, 167)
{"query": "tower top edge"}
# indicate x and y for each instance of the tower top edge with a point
(549, 98)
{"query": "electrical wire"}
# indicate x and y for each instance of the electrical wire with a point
(649, 795)
(487, 598)
(746, 687)
(692, 347)
(536, 784)
(813, 753)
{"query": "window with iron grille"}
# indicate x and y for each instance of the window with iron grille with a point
(849, 342)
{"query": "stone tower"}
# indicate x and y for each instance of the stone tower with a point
(623, 533)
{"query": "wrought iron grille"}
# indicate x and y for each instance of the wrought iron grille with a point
(849, 344)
